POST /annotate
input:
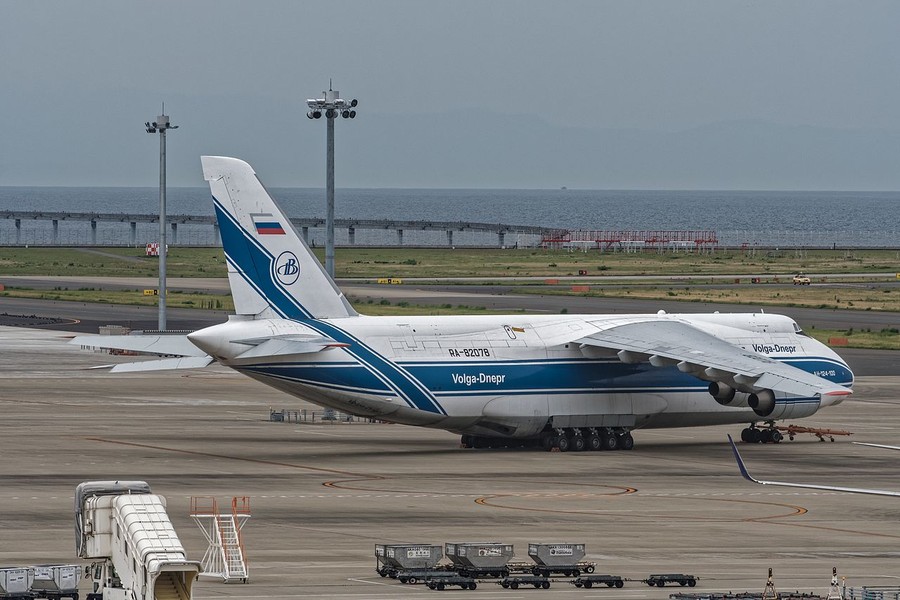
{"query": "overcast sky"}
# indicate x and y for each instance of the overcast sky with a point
(78, 79)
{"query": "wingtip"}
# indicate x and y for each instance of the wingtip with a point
(739, 460)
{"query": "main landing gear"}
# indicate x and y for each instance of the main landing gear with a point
(589, 438)
(765, 435)
(570, 439)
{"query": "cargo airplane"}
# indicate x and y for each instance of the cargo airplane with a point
(571, 382)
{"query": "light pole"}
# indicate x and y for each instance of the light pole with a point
(161, 125)
(332, 106)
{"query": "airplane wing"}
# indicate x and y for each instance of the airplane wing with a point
(748, 477)
(877, 445)
(692, 350)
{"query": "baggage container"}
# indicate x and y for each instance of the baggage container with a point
(555, 555)
(56, 581)
(479, 555)
(407, 556)
(15, 583)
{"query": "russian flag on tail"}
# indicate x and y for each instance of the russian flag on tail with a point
(266, 224)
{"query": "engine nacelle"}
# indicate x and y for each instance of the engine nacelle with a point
(723, 393)
(762, 402)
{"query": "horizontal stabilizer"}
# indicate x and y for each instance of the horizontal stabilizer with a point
(289, 345)
(175, 345)
(166, 364)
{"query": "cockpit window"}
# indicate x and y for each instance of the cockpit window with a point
(797, 329)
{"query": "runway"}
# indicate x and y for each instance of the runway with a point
(323, 495)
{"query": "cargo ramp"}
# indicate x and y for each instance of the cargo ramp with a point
(125, 529)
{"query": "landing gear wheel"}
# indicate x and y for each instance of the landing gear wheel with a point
(609, 440)
(593, 442)
(776, 436)
(577, 442)
(745, 435)
(626, 441)
(548, 442)
(563, 443)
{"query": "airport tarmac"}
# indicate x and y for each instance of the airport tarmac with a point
(323, 495)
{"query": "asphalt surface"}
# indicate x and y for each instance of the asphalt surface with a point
(322, 495)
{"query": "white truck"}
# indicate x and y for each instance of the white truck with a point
(123, 527)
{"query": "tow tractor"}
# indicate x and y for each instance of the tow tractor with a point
(772, 433)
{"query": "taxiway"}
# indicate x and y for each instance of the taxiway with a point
(323, 495)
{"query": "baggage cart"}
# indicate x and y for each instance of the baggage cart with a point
(15, 583)
(53, 582)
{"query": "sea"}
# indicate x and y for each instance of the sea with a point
(739, 218)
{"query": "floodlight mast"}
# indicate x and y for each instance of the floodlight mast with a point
(161, 125)
(331, 105)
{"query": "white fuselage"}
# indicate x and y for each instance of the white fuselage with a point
(512, 376)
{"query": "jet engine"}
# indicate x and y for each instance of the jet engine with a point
(723, 393)
(762, 402)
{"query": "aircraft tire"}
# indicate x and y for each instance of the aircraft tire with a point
(563, 443)
(577, 442)
(593, 442)
(777, 436)
(745, 435)
(626, 441)
(610, 441)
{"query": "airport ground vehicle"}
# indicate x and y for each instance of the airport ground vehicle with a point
(440, 583)
(15, 583)
(479, 559)
(590, 581)
(661, 580)
(112, 517)
(558, 559)
(514, 582)
(53, 582)
(801, 279)
(400, 561)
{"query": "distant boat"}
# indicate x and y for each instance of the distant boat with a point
(563, 188)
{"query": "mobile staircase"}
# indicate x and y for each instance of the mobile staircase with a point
(225, 556)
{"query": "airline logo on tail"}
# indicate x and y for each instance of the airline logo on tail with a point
(287, 268)
(266, 224)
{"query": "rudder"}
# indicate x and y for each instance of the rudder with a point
(271, 270)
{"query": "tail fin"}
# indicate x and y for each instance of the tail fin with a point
(271, 270)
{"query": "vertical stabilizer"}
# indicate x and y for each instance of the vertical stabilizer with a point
(271, 270)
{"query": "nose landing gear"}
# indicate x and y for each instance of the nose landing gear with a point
(765, 435)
